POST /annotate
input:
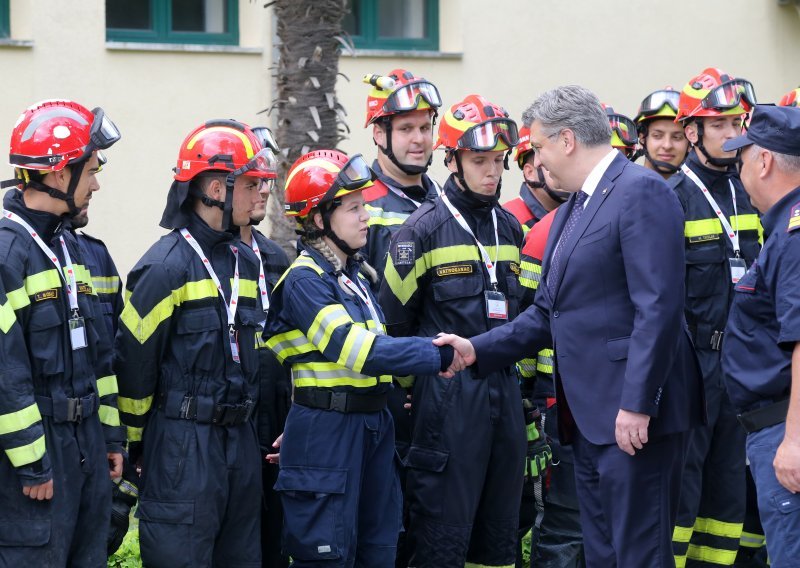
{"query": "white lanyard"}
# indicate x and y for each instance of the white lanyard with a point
(229, 307)
(399, 193)
(491, 267)
(732, 235)
(71, 283)
(362, 293)
(262, 281)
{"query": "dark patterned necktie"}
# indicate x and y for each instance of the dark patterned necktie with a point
(572, 221)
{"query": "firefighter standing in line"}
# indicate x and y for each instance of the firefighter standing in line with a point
(453, 267)
(59, 424)
(623, 132)
(662, 141)
(338, 476)
(722, 235)
(187, 360)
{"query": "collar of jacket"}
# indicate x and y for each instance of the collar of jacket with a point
(415, 192)
(468, 202)
(351, 268)
(46, 224)
(207, 237)
(707, 175)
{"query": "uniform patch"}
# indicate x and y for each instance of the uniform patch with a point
(514, 267)
(84, 288)
(704, 238)
(404, 253)
(453, 270)
(46, 295)
(794, 219)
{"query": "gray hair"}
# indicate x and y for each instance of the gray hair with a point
(786, 162)
(573, 107)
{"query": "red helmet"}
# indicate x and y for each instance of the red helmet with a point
(400, 91)
(624, 134)
(715, 93)
(322, 176)
(478, 125)
(225, 145)
(790, 99)
(523, 147)
(53, 133)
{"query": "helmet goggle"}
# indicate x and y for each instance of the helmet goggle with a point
(407, 97)
(353, 175)
(656, 101)
(729, 95)
(485, 136)
(266, 138)
(624, 128)
(263, 165)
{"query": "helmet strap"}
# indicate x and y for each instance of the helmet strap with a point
(328, 231)
(386, 122)
(460, 176)
(76, 168)
(718, 162)
(227, 208)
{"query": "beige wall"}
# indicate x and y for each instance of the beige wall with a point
(507, 50)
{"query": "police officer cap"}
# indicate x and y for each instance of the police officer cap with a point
(775, 128)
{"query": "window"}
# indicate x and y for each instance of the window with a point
(389, 24)
(5, 27)
(173, 21)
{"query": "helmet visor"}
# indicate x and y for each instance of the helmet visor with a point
(485, 136)
(624, 128)
(656, 101)
(104, 133)
(262, 165)
(729, 95)
(408, 96)
(266, 138)
(355, 173)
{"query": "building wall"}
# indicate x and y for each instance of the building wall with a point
(508, 51)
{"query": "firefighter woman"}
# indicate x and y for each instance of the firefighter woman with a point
(338, 478)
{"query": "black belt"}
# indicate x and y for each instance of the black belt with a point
(339, 401)
(204, 409)
(760, 418)
(69, 409)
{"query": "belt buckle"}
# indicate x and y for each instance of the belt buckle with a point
(716, 340)
(188, 408)
(74, 410)
(338, 401)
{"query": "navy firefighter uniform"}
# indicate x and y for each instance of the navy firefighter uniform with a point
(105, 279)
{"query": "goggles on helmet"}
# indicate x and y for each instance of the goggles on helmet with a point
(485, 136)
(656, 101)
(263, 165)
(266, 138)
(407, 97)
(729, 95)
(355, 173)
(624, 127)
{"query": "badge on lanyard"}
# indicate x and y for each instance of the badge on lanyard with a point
(233, 336)
(77, 333)
(738, 269)
(496, 305)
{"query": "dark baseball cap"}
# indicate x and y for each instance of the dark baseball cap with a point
(775, 128)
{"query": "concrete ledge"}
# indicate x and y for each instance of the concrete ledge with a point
(23, 43)
(181, 48)
(402, 54)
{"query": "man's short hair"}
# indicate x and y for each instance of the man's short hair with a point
(787, 163)
(573, 107)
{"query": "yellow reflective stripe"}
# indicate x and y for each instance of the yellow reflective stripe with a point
(682, 534)
(530, 274)
(105, 284)
(749, 222)
(544, 361)
(289, 344)
(702, 227)
(108, 415)
(82, 275)
(302, 261)
(378, 216)
(41, 281)
(356, 348)
(752, 540)
(325, 323)
(527, 367)
(712, 555)
(135, 434)
(137, 407)
(327, 374)
(718, 528)
(18, 298)
(7, 316)
(247, 288)
(680, 561)
(107, 385)
(143, 327)
(403, 288)
(29, 453)
(19, 420)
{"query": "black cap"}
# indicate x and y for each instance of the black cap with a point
(775, 128)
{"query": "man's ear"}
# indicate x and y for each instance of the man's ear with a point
(216, 189)
(690, 130)
(765, 161)
(529, 172)
(379, 135)
(566, 139)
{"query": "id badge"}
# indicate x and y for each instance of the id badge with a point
(233, 336)
(496, 305)
(77, 333)
(738, 268)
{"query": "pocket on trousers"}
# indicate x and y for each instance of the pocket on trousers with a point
(170, 512)
(426, 458)
(313, 507)
(26, 532)
(785, 502)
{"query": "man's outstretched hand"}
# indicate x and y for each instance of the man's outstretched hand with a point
(464, 352)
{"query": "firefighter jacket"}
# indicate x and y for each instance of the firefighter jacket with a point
(105, 279)
(389, 205)
(329, 338)
(275, 385)
(526, 208)
(435, 279)
(709, 289)
(173, 346)
(43, 375)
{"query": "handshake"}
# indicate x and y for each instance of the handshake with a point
(463, 353)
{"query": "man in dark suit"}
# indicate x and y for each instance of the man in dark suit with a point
(611, 302)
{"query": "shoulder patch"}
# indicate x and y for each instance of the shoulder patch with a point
(404, 253)
(794, 218)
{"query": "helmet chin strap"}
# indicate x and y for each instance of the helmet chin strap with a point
(405, 168)
(226, 206)
(718, 162)
(542, 184)
(460, 177)
(328, 231)
(76, 169)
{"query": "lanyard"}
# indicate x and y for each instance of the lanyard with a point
(262, 281)
(71, 283)
(491, 267)
(402, 195)
(361, 292)
(732, 235)
(230, 308)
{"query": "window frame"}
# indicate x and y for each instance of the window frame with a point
(368, 16)
(162, 24)
(5, 20)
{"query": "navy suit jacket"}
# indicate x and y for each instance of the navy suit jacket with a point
(616, 316)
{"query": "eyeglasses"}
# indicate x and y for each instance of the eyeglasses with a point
(485, 136)
(654, 102)
(407, 97)
(729, 95)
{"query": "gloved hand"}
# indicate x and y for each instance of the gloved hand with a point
(124, 494)
(539, 456)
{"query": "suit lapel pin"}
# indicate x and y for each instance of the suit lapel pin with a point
(604, 191)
